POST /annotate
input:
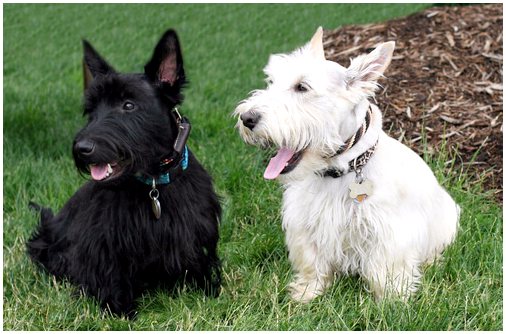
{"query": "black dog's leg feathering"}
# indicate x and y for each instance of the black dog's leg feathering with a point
(206, 275)
(212, 285)
(113, 286)
(98, 273)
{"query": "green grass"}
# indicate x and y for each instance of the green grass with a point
(225, 47)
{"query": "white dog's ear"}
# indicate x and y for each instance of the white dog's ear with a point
(365, 70)
(316, 44)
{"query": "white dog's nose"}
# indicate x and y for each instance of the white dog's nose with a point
(250, 119)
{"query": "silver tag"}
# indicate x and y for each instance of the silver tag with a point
(155, 203)
(359, 191)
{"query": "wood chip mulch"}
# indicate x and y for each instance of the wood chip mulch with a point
(444, 82)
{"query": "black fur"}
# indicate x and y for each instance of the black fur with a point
(106, 239)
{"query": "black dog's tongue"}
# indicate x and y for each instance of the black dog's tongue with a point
(100, 172)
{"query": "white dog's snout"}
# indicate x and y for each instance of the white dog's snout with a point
(250, 118)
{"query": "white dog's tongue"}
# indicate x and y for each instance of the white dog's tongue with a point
(98, 172)
(278, 163)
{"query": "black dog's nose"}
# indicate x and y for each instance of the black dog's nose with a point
(250, 119)
(84, 147)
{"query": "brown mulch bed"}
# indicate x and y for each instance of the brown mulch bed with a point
(444, 82)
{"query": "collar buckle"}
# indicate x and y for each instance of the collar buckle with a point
(172, 165)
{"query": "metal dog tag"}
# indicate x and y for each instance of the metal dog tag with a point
(359, 191)
(155, 203)
(157, 210)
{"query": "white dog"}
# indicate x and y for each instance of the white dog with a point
(355, 200)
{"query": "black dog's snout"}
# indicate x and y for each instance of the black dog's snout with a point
(84, 147)
(250, 119)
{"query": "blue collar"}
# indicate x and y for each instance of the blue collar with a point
(166, 177)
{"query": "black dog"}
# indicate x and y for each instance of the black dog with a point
(149, 217)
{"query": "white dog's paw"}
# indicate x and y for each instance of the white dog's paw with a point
(304, 292)
(400, 287)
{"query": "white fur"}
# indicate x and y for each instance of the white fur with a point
(407, 221)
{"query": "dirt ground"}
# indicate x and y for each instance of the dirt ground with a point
(444, 83)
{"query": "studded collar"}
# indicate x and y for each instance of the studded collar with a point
(360, 161)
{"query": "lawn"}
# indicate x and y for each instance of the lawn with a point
(225, 47)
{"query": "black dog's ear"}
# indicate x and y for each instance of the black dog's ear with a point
(166, 64)
(93, 64)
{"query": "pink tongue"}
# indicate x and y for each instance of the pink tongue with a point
(98, 172)
(278, 163)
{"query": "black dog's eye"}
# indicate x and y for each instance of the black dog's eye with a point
(128, 106)
(301, 88)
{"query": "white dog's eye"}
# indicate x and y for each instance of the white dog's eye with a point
(301, 87)
(269, 81)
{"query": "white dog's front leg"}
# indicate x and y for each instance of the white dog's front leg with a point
(398, 279)
(312, 273)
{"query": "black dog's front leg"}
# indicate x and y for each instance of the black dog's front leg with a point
(112, 290)
(119, 299)
(105, 274)
(206, 274)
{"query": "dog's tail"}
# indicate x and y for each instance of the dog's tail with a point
(45, 213)
(34, 206)
(45, 242)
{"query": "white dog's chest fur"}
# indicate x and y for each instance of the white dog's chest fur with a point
(410, 214)
(337, 227)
